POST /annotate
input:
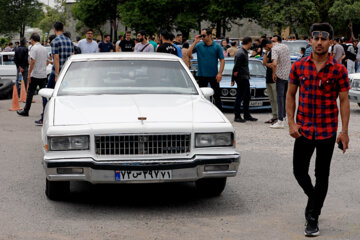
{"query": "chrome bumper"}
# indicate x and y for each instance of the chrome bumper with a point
(104, 171)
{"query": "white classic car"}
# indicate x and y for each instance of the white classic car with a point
(354, 93)
(134, 118)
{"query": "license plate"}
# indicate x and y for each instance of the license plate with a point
(143, 175)
(255, 103)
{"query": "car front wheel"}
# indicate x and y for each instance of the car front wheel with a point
(210, 187)
(56, 190)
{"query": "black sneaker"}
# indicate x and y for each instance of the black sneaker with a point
(239, 119)
(22, 113)
(39, 122)
(312, 228)
(250, 118)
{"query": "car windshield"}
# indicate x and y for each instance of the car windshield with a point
(255, 67)
(7, 60)
(295, 47)
(126, 77)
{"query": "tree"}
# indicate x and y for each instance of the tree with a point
(52, 15)
(298, 15)
(15, 15)
(95, 13)
(346, 12)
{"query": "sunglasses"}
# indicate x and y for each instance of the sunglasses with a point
(203, 36)
(324, 35)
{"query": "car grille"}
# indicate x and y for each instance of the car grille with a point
(142, 144)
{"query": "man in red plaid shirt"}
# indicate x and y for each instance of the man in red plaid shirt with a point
(321, 80)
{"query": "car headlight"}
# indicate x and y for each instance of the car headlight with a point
(224, 92)
(355, 84)
(266, 93)
(233, 92)
(214, 139)
(68, 143)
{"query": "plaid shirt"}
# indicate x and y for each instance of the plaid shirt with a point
(318, 112)
(64, 47)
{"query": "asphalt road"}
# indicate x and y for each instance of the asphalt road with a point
(263, 202)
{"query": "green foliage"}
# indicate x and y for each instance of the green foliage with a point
(16, 14)
(298, 14)
(51, 16)
(345, 13)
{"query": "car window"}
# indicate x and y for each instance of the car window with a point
(255, 67)
(7, 60)
(295, 47)
(126, 77)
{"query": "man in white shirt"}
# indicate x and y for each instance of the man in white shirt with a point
(143, 45)
(88, 45)
(37, 71)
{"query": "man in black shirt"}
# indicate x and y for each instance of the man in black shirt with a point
(106, 45)
(270, 84)
(241, 75)
(166, 44)
(21, 60)
(127, 45)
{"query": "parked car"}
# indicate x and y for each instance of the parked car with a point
(259, 96)
(354, 92)
(295, 47)
(7, 74)
(134, 118)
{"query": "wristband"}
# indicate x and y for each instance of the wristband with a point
(344, 132)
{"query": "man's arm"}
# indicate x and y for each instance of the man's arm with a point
(345, 117)
(31, 67)
(290, 110)
(56, 66)
(274, 66)
(191, 48)
(219, 75)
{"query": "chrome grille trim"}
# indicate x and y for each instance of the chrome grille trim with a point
(144, 144)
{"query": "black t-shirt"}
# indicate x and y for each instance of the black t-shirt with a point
(106, 47)
(269, 71)
(127, 46)
(167, 48)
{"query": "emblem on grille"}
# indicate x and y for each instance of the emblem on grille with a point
(142, 119)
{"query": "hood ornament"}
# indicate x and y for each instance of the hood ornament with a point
(142, 119)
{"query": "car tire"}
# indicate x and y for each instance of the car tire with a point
(57, 190)
(6, 87)
(210, 187)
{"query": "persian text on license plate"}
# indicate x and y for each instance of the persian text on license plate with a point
(255, 103)
(142, 175)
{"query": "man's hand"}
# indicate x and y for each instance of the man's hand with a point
(274, 77)
(21, 69)
(218, 77)
(235, 74)
(294, 130)
(232, 83)
(29, 77)
(344, 138)
(197, 39)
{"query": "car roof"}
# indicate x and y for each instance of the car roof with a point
(124, 56)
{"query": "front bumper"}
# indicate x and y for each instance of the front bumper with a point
(183, 170)
(354, 96)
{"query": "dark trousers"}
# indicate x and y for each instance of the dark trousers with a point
(303, 150)
(50, 84)
(242, 96)
(281, 90)
(204, 82)
(32, 87)
(24, 75)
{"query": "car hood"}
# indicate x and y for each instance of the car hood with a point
(102, 109)
(255, 82)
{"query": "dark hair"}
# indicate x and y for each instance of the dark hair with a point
(120, 36)
(165, 34)
(208, 31)
(59, 26)
(302, 49)
(128, 31)
(78, 38)
(185, 45)
(265, 41)
(67, 34)
(10, 44)
(172, 36)
(35, 37)
(278, 37)
(246, 40)
(52, 37)
(90, 30)
(257, 40)
(142, 33)
(337, 40)
(322, 27)
(233, 43)
(263, 36)
(22, 41)
(106, 35)
(178, 35)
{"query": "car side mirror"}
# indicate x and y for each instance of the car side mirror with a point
(46, 92)
(207, 92)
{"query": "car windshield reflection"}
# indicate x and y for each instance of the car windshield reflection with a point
(255, 67)
(126, 77)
